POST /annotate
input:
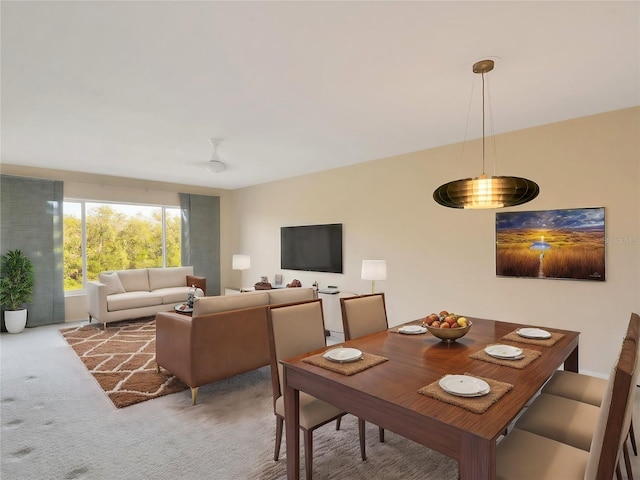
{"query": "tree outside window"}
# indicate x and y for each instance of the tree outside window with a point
(117, 237)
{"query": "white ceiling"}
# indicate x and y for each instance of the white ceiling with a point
(136, 89)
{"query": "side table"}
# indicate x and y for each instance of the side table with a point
(183, 308)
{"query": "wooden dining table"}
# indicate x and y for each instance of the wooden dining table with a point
(387, 394)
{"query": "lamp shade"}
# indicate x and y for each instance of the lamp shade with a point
(374, 269)
(241, 262)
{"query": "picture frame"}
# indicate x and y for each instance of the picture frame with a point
(552, 244)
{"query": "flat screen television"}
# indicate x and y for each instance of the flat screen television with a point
(313, 248)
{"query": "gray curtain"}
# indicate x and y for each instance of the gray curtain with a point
(31, 221)
(201, 237)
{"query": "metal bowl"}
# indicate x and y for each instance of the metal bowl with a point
(448, 334)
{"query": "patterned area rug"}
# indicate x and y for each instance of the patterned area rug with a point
(121, 359)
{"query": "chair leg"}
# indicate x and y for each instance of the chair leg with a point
(627, 461)
(308, 453)
(338, 421)
(194, 395)
(279, 425)
(633, 439)
(381, 434)
(361, 432)
(618, 472)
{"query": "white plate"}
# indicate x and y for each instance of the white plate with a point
(412, 330)
(343, 355)
(507, 352)
(464, 385)
(533, 333)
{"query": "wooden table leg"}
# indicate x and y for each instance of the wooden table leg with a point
(477, 458)
(292, 428)
(571, 362)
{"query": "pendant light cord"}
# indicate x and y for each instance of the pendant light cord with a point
(483, 122)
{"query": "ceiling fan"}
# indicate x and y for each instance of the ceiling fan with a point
(215, 165)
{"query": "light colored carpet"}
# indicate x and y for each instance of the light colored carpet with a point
(57, 424)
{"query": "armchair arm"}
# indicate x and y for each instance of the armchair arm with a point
(173, 345)
(199, 282)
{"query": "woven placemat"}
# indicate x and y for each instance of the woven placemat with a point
(473, 404)
(545, 342)
(368, 360)
(529, 356)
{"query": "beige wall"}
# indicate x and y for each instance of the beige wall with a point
(440, 258)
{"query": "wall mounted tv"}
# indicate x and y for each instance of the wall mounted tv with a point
(313, 248)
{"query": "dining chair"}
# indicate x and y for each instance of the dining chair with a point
(573, 421)
(363, 315)
(568, 406)
(586, 388)
(525, 455)
(294, 329)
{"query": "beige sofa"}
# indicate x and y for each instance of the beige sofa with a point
(136, 293)
(225, 336)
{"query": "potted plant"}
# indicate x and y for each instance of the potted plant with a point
(16, 285)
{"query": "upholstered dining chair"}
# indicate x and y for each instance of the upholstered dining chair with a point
(363, 315)
(294, 329)
(524, 454)
(573, 422)
(586, 388)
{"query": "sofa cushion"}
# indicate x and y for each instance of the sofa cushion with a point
(136, 280)
(112, 281)
(127, 300)
(168, 277)
(173, 294)
(289, 295)
(205, 305)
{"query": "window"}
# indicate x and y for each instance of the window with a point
(111, 236)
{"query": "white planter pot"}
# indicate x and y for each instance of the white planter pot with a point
(15, 320)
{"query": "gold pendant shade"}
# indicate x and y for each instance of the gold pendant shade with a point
(486, 192)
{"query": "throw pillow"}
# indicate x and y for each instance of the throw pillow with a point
(112, 281)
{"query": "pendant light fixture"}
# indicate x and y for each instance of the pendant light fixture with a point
(483, 191)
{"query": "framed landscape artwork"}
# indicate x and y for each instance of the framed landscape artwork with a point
(558, 244)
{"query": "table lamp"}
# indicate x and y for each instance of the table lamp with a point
(374, 270)
(241, 262)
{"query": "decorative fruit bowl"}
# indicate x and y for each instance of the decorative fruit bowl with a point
(448, 327)
(448, 334)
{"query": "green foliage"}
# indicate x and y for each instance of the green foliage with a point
(16, 282)
(72, 253)
(117, 242)
(172, 241)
